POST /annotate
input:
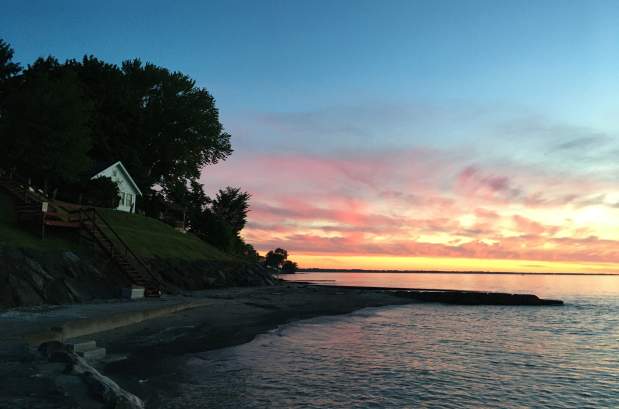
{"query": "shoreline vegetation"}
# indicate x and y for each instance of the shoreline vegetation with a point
(360, 270)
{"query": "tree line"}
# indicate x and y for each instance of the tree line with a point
(59, 119)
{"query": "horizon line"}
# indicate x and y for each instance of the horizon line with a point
(362, 270)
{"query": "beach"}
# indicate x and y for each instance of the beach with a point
(300, 345)
(152, 349)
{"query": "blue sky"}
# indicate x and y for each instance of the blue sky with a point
(504, 109)
(557, 57)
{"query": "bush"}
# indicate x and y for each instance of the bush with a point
(101, 192)
(289, 267)
(275, 258)
(215, 231)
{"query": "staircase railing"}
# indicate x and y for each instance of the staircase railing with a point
(116, 243)
(93, 215)
(24, 186)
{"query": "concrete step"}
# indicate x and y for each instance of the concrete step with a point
(93, 354)
(83, 346)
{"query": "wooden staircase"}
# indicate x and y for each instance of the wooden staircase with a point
(95, 228)
(30, 209)
(30, 203)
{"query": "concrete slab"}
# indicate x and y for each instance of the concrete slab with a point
(54, 325)
(93, 354)
(83, 346)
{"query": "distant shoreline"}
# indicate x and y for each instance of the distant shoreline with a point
(352, 270)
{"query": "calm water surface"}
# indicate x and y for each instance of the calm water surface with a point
(427, 355)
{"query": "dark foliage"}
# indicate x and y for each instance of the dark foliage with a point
(101, 191)
(161, 125)
(8, 68)
(57, 118)
(289, 267)
(44, 126)
(275, 258)
(215, 231)
(232, 205)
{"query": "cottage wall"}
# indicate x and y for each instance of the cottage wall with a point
(128, 194)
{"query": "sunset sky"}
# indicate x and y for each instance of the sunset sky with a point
(460, 135)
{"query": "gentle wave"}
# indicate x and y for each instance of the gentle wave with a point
(422, 355)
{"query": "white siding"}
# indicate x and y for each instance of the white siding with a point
(128, 193)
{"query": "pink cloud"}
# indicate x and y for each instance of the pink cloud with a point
(392, 203)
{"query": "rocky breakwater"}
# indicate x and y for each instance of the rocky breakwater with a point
(476, 298)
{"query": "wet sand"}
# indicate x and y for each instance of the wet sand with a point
(154, 349)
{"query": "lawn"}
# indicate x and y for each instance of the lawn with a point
(146, 236)
(149, 237)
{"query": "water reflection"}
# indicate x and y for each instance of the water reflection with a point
(422, 355)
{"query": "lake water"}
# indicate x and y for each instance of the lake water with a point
(428, 355)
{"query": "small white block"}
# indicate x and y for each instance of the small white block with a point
(133, 293)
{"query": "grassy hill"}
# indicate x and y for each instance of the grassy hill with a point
(146, 236)
(149, 237)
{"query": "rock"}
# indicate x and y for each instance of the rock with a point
(71, 257)
(36, 267)
(30, 277)
(47, 349)
(57, 292)
(23, 292)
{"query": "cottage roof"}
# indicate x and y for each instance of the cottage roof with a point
(103, 166)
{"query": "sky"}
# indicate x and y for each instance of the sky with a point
(446, 135)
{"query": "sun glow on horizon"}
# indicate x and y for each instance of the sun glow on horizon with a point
(450, 264)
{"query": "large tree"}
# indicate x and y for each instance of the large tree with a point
(159, 123)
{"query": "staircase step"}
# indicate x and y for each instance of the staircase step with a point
(83, 346)
(93, 354)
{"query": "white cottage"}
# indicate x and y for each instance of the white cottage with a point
(128, 189)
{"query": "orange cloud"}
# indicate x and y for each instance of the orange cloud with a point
(429, 204)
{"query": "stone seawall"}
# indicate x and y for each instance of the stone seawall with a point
(28, 277)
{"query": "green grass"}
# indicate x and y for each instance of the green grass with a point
(146, 236)
(14, 235)
(149, 237)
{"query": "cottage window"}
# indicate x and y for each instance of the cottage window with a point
(122, 199)
(128, 199)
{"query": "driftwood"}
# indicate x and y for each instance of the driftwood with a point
(100, 387)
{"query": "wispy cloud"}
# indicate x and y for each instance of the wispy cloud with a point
(402, 179)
